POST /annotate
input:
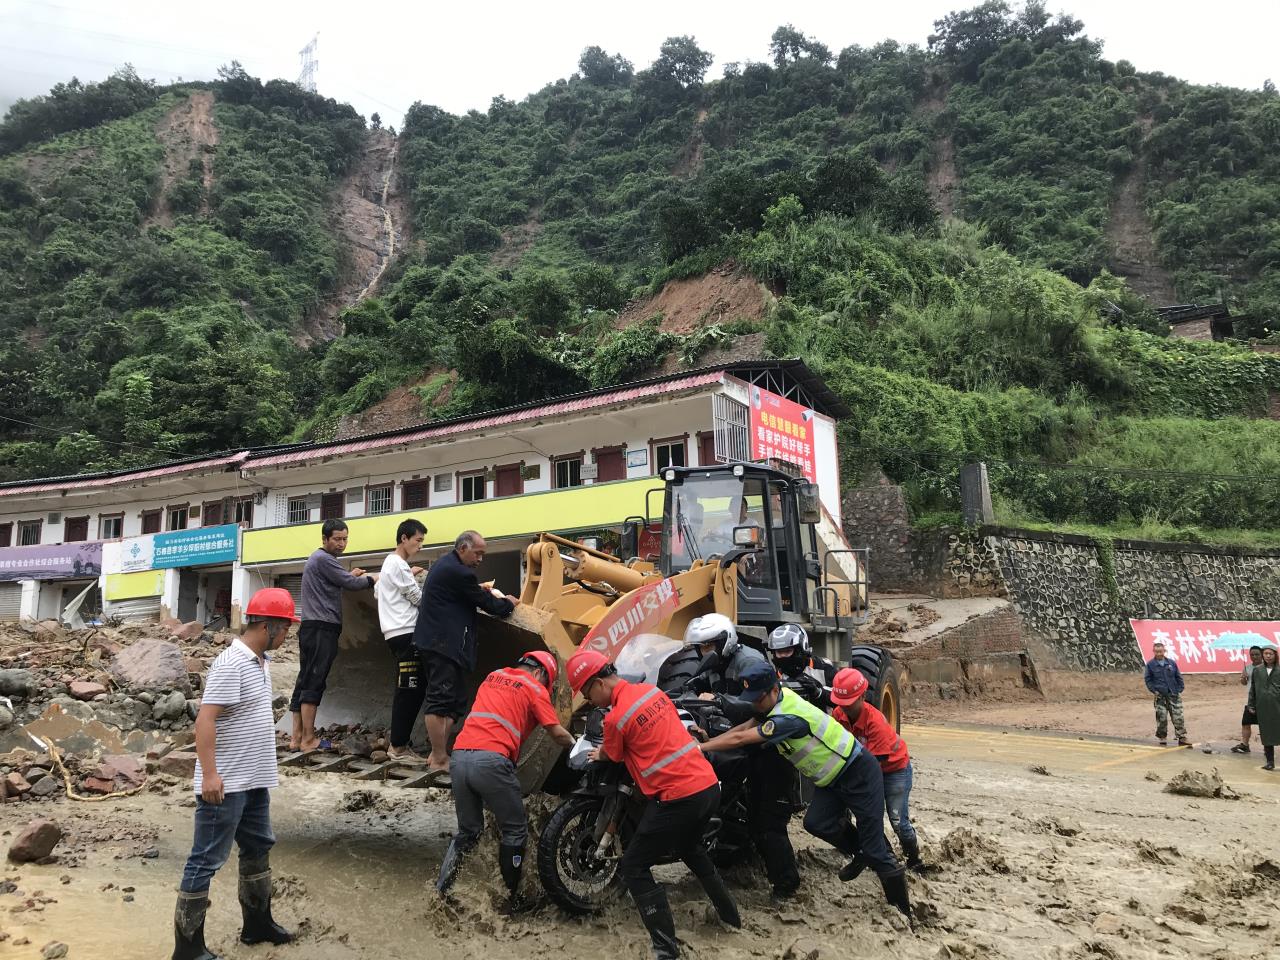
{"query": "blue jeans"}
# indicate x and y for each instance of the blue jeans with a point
(897, 795)
(244, 817)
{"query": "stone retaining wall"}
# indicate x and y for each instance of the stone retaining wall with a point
(1075, 594)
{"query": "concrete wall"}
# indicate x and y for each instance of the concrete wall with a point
(1074, 596)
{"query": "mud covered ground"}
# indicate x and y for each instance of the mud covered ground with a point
(1083, 857)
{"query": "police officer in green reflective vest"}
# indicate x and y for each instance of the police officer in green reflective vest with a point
(846, 775)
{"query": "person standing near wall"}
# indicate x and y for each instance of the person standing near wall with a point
(323, 580)
(1264, 697)
(1248, 718)
(1164, 680)
(398, 596)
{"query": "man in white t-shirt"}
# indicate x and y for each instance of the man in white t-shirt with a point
(235, 771)
(398, 596)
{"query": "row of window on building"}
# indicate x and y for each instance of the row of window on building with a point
(505, 480)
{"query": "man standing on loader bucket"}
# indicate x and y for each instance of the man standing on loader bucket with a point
(510, 704)
(848, 693)
(643, 731)
(323, 580)
(846, 775)
(446, 637)
(398, 596)
(235, 771)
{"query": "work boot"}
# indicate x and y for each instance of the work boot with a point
(721, 898)
(895, 892)
(1241, 747)
(911, 850)
(852, 869)
(511, 862)
(1184, 742)
(188, 927)
(655, 913)
(255, 905)
(453, 858)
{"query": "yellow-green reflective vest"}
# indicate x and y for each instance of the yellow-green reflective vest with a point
(820, 754)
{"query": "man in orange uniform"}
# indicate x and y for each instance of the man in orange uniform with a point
(509, 705)
(848, 692)
(643, 731)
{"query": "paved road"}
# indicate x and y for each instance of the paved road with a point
(1072, 753)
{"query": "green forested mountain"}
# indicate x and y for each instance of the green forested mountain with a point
(938, 225)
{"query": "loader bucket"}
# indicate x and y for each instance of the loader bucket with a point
(361, 685)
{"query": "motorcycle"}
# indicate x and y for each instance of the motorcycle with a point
(582, 842)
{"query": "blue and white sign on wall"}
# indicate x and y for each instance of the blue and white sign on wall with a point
(190, 548)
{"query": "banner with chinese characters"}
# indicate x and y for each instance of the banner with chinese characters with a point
(1206, 646)
(190, 548)
(641, 612)
(67, 561)
(782, 429)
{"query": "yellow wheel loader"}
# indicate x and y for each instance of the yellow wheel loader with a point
(744, 540)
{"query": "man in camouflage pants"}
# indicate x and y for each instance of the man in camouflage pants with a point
(1164, 680)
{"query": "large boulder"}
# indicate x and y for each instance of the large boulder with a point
(151, 664)
(18, 683)
(172, 706)
(35, 842)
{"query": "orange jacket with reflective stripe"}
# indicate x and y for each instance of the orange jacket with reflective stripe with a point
(643, 730)
(508, 706)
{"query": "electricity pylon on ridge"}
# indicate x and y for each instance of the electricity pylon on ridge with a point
(310, 65)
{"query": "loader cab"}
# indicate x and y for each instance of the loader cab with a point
(754, 514)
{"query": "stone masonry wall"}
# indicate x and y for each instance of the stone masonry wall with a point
(876, 516)
(1077, 595)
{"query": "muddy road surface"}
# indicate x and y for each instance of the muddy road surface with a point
(1043, 846)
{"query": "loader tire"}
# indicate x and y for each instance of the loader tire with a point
(883, 691)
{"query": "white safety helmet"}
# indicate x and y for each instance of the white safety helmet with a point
(713, 628)
(789, 636)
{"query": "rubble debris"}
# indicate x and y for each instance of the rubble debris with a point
(54, 950)
(86, 690)
(1195, 783)
(151, 664)
(18, 683)
(35, 842)
(179, 763)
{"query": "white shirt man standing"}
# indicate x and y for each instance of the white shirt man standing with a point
(398, 596)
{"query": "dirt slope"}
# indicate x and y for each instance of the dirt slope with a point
(1132, 238)
(369, 216)
(188, 133)
(404, 406)
(940, 179)
(724, 295)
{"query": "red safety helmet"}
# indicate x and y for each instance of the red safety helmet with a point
(848, 686)
(540, 658)
(273, 602)
(584, 665)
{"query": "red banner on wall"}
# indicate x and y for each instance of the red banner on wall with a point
(1206, 646)
(783, 429)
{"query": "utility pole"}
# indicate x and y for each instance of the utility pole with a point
(310, 65)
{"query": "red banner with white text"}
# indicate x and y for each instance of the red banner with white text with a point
(782, 429)
(1206, 646)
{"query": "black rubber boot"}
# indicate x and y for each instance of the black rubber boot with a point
(721, 899)
(853, 869)
(188, 927)
(453, 858)
(511, 862)
(911, 850)
(255, 905)
(895, 892)
(655, 913)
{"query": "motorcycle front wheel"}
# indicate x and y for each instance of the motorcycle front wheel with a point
(575, 878)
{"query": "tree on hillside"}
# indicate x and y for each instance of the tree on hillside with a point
(596, 66)
(375, 121)
(789, 45)
(75, 106)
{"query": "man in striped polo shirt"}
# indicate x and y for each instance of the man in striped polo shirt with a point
(235, 770)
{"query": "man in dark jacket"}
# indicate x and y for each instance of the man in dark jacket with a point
(1164, 680)
(446, 635)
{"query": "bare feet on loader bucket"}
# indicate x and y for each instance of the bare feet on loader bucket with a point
(308, 745)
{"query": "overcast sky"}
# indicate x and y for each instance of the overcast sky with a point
(384, 56)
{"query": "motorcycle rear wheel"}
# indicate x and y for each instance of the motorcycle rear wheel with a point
(574, 878)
